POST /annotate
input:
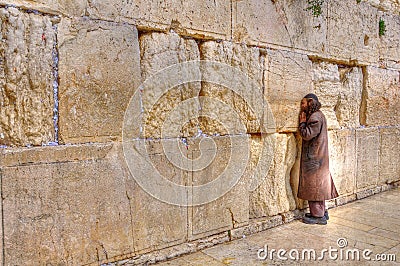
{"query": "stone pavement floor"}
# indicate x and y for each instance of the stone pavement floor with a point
(364, 232)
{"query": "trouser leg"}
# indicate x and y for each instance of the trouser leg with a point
(317, 208)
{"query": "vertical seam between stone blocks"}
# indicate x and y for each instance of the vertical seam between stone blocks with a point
(364, 95)
(378, 178)
(55, 56)
(262, 59)
(131, 219)
(140, 88)
(356, 164)
(190, 204)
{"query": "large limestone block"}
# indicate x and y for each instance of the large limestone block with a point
(381, 100)
(367, 150)
(389, 163)
(99, 70)
(389, 45)
(339, 89)
(353, 31)
(239, 108)
(26, 78)
(71, 213)
(169, 100)
(201, 18)
(295, 174)
(157, 223)
(288, 78)
(285, 23)
(342, 160)
(56, 7)
(220, 169)
(59, 154)
(274, 194)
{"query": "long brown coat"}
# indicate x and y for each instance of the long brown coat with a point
(315, 182)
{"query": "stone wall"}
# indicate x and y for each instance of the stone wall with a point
(85, 84)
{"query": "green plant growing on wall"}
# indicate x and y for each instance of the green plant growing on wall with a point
(315, 6)
(358, 1)
(382, 27)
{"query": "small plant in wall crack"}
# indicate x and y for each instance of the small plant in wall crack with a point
(315, 6)
(382, 27)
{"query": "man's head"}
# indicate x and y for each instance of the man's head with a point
(310, 104)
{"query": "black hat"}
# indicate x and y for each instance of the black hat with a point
(312, 96)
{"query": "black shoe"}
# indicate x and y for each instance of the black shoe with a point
(326, 215)
(315, 220)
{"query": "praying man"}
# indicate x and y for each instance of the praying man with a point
(315, 181)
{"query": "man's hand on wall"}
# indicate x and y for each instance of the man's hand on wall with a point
(303, 117)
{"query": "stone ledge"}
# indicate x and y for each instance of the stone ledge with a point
(53, 154)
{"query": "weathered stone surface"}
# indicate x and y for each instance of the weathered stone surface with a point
(389, 45)
(295, 174)
(237, 109)
(386, 5)
(357, 40)
(389, 166)
(166, 106)
(230, 210)
(367, 150)
(201, 18)
(84, 220)
(342, 160)
(288, 78)
(53, 154)
(56, 7)
(349, 100)
(157, 224)
(274, 195)
(99, 70)
(341, 200)
(381, 106)
(284, 23)
(339, 89)
(26, 78)
(71, 213)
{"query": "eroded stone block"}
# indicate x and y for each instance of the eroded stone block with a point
(339, 89)
(26, 78)
(284, 23)
(342, 160)
(157, 223)
(225, 182)
(71, 213)
(274, 194)
(389, 166)
(381, 106)
(55, 7)
(389, 45)
(358, 40)
(295, 174)
(201, 18)
(232, 89)
(367, 150)
(169, 100)
(99, 71)
(288, 78)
